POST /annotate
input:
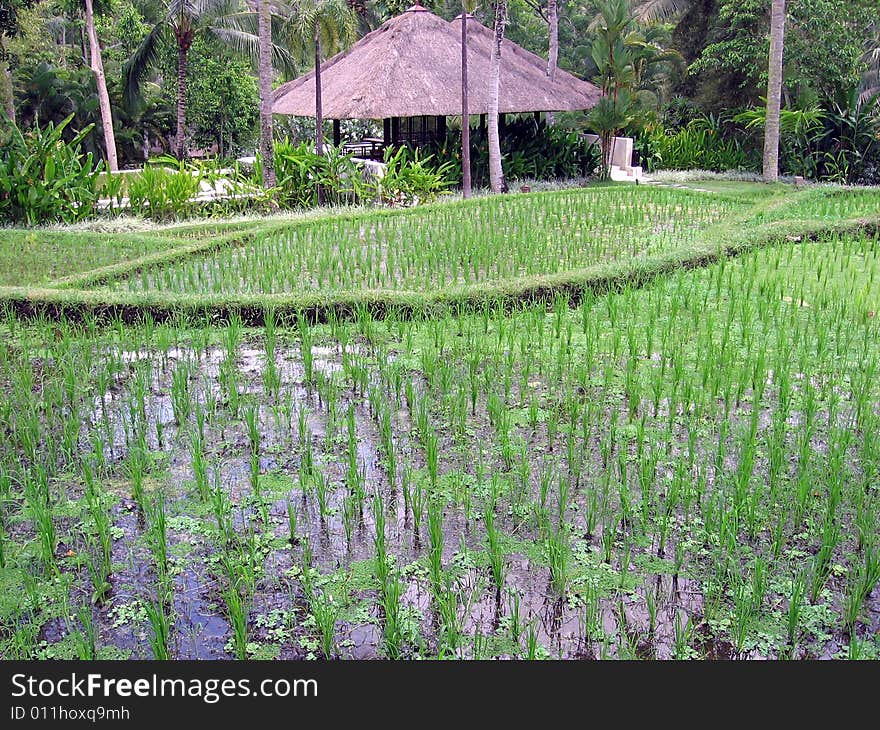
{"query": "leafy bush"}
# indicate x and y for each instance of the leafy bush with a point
(43, 178)
(304, 179)
(410, 178)
(161, 191)
(705, 144)
(529, 149)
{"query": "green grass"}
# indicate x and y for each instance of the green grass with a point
(32, 258)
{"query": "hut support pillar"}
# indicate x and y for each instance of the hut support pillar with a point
(482, 122)
(386, 132)
(337, 133)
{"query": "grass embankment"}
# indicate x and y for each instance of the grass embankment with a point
(759, 219)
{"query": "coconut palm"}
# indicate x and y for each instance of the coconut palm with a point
(265, 74)
(652, 10)
(774, 91)
(319, 26)
(496, 171)
(96, 63)
(224, 20)
(466, 9)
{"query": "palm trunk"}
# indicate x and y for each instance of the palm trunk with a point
(319, 108)
(496, 172)
(265, 73)
(97, 65)
(553, 49)
(6, 95)
(465, 115)
(184, 40)
(774, 92)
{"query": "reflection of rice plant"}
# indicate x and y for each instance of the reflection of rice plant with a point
(271, 376)
(306, 340)
(291, 523)
(497, 563)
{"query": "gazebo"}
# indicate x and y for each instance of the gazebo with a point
(408, 74)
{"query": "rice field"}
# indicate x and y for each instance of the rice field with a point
(449, 245)
(686, 470)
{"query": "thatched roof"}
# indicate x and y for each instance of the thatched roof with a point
(411, 66)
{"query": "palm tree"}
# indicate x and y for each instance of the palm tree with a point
(265, 74)
(774, 91)
(651, 10)
(97, 66)
(181, 22)
(465, 111)
(496, 172)
(322, 25)
(553, 44)
(6, 82)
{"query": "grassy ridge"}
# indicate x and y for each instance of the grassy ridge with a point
(717, 243)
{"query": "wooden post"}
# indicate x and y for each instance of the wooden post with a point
(337, 133)
(483, 122)
(386, 132)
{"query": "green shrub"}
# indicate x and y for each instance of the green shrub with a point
(160, 192)
(410, 178)
(529, 149)
(704, 144)
(43, 178)
(304, 179)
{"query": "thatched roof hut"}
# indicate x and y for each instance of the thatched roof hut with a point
(411, 67)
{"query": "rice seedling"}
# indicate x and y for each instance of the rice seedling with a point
(557, 556)
(85, 635)
(181, 398)
(40, 506)
(435, 552)
(101, 566)
(237, 609)
(157, 539)
(160, 625)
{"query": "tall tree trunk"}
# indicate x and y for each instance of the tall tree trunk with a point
(265, 73)
(465, 114)
(319, 107)
(6, 95)
(774, 92)
(184, 40)
(496, 173)
(553, 47)
(97, 65)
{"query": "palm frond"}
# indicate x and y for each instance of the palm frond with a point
(144, 58)
(651, 11)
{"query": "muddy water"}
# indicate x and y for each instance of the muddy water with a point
(279, 616)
